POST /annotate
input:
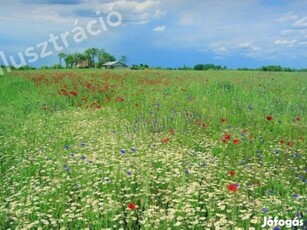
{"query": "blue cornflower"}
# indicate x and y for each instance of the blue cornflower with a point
(295, 196)
(133, 150)
(276, 228)
(129, 172)
(123, 151)
(271, 192)
(107, 179)
(66, 147)
(83, 157)
(83, 144)
(187, 171)
(264, 210)
(67, 168)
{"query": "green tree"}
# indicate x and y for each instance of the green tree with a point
(91, 54)
(123, 59)
(61, 56)
(199, 67)
(104, 57)
(69, 60)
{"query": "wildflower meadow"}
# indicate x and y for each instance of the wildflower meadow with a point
(123, 149)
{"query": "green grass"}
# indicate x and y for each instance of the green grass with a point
(151, 138)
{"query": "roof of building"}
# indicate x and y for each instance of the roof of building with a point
(113, 63)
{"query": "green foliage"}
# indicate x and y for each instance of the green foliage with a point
(78, 159)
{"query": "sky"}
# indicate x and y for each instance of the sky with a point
(166, 33)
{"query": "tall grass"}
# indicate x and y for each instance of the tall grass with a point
(151, 149)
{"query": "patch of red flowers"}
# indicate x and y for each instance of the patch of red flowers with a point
(131, 206)
(172, 132)
(232, 187)
(223, 120)
(269, 118)
(165, 140)
(73, 93)
(232, 173)
(282, 142)
(236, 141)
(226, 137)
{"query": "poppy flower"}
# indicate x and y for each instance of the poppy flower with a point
(131, 206)
(232, 187)
(269, 118)
(232, 173)
(227, 136)
(223, 120)
(165, 140)
(74, 93)
(298, 118)
(224, 140)
(172, 132)
(290, 143)
(236, 141)
(282, 142)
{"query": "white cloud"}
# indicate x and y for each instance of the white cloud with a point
(159, 29)
(221, 51)
(288, 17)
(248, 46)
(139, 12)
(285, 42)
(301, 22)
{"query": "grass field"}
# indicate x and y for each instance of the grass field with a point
(102, 149)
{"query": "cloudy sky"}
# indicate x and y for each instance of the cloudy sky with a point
(167, 33)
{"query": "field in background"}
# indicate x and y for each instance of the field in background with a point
(151, 149)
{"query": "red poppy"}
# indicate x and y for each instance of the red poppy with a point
(269, 118)
(224, 140)
(232, 187)
(165, 140)
(298, 118)
(223, 120)
(290, 143)
(236, 141)
(282, 142)
(131, 206)
(73, 93)
(232, 173)
(227, 136)
(172, 132)
(137, 104)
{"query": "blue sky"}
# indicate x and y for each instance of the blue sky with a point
(167, 33)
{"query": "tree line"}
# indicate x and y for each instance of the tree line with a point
(95, 58)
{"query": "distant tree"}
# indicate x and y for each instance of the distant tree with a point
(69, 60)
(91, 54)
(61, 56)
(26, 67)
(104, 57)
(134, 67)
(199, 67)
(275, 68)
(123, 59)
